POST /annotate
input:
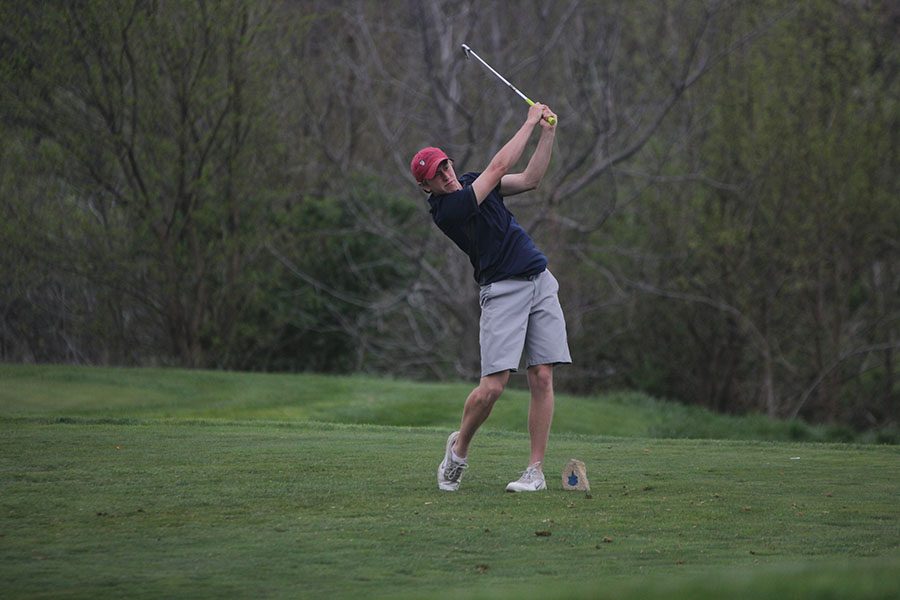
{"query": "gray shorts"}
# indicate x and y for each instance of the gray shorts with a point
(522, 314)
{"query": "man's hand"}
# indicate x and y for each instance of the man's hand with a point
(546, 115)
(535, 112)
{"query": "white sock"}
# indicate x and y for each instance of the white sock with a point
(456, 457)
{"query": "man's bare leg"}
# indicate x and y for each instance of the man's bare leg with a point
(540, 412)
(477, 409)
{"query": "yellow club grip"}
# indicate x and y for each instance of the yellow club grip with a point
(551, 120)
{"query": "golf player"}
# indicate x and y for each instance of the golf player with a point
(520, 310)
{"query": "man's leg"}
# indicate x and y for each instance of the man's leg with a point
(545, 346)
(540, 415)
(477, 409)
(540, 412)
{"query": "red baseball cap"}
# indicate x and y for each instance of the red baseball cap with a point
(425, 163)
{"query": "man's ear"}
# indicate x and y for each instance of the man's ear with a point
(423, 188)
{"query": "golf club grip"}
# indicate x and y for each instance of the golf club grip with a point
(551, 120)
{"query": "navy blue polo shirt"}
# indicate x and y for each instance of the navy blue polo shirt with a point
(496, 244)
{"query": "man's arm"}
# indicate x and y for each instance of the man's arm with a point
(531, 177)
(507, 156)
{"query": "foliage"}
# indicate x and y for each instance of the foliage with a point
(226, 185)
(155, 129)
(767, 263)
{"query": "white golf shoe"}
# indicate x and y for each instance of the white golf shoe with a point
(532, 480)
(450, 472)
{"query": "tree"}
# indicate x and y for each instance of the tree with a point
(158, 112)
(763, 258)
(227, 185)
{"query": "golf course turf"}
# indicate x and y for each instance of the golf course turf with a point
(130, 502)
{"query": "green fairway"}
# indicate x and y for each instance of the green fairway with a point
(175, 393)
(124, 484)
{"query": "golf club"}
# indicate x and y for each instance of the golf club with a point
(470, 52)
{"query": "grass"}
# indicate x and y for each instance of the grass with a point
(171, 393)
(132, 483)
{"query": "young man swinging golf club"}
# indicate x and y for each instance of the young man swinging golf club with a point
(520, 310)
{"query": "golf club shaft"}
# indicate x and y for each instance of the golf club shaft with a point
(502, 78)
(551, 120)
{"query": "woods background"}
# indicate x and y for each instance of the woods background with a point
(226, 185)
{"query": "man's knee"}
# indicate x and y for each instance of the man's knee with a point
(540, 377)
(492, 386)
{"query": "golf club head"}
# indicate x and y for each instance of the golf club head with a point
(466, 49)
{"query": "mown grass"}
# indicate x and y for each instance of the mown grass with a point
(132, 393)
(172, 508)
(165, 495)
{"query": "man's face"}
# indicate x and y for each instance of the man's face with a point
(444, 180)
